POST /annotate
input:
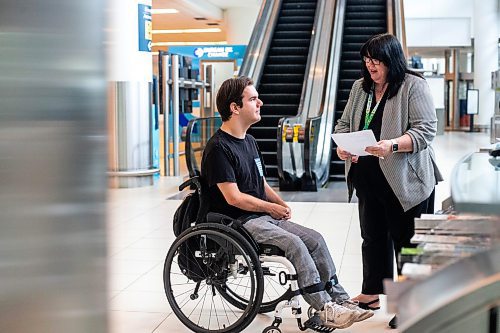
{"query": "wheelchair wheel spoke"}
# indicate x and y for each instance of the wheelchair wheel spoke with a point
(197, 270)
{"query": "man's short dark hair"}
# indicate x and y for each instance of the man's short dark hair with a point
(231, 91)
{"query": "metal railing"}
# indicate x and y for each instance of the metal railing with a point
(198, 132)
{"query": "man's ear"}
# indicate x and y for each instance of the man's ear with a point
(234, 108)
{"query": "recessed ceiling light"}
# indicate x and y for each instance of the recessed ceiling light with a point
(164, 11)
(186, 31)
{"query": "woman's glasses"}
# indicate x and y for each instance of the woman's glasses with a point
(373, 61)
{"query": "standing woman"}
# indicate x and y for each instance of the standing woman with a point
(396, 183)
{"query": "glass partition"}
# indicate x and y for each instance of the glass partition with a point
(198, 132)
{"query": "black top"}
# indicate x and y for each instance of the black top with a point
(229, 159)
(366, 175)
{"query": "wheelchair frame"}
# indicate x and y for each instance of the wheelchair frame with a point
(227, 251)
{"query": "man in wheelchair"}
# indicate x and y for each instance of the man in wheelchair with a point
(233, 168)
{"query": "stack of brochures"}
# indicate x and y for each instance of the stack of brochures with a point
(442, 239)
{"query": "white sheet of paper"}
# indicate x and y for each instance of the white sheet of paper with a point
(355, 142)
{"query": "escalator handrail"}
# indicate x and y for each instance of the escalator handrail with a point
(327, 110)
(260, 41)
(313, 88)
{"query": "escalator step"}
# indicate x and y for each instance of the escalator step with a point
(264, 132)
(293, 34)
(298, 12)
(265, 144)
(269, 120)
(277, 109)
(345, 84)
(289, 51)
(365, 23)
(273, 98)
(365, 8)
(357, 38)
(299, 5)
(271, 173)
(296, 19)
(343, 91)
(363, 30)
(351, 47)
(287, 59)
(293, 27)
(290, 42)
(351, 64)
(281, 78)
(351, 73)
(365, 15)
(368, 2)
(281, 88)
(351, 55)
(285, 69)
(301, 1)
(270, 158)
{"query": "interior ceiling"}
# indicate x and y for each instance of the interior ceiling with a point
(212, 10)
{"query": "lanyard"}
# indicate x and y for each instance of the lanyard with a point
(370, 114)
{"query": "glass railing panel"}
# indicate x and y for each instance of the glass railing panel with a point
(198, 132)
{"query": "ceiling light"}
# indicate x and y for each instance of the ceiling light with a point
(186, 31)
(164, 11)
(188, 43)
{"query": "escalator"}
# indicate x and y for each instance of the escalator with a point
(362, 19)
(304, 57)
(281, 84)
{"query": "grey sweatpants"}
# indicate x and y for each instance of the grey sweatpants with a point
(306, 249)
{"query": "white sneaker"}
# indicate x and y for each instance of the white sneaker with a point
(336, 316)
(362, 313)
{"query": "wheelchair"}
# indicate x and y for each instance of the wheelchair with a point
(217, 278)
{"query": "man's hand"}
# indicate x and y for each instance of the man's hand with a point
(279, 212)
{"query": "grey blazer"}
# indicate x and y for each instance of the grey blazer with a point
(411, 176)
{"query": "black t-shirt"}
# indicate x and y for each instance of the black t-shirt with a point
(229, 159)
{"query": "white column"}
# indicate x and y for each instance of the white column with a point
(485, 56)
(240, 22)
(130, 74)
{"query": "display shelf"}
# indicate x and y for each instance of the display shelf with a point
(475, 184)
(452, 281)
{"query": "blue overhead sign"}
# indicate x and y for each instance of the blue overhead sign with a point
(145, 28)
(215, 52)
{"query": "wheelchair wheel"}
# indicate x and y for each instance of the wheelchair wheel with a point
(200, 261)
(235, 292)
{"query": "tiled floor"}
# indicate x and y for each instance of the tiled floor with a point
(140, 233)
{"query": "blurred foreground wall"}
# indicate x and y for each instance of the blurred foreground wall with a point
(52, 166)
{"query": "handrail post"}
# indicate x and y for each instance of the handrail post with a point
(165, 77)
(175, 112)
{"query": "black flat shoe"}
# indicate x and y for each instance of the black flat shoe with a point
(394, 322)
(366, 306)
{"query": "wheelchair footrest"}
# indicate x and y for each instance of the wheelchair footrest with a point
(315, 324)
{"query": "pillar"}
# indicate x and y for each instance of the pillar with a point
(53, 167)
(485, 57)
(130, 94)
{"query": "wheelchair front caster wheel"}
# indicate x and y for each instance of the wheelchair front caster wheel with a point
(310, 312)
(271, 329)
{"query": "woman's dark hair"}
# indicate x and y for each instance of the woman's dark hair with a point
(231, 91)
(387, 49)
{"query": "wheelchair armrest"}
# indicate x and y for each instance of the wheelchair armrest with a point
(191, 181)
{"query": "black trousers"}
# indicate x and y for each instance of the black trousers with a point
(385, 227)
